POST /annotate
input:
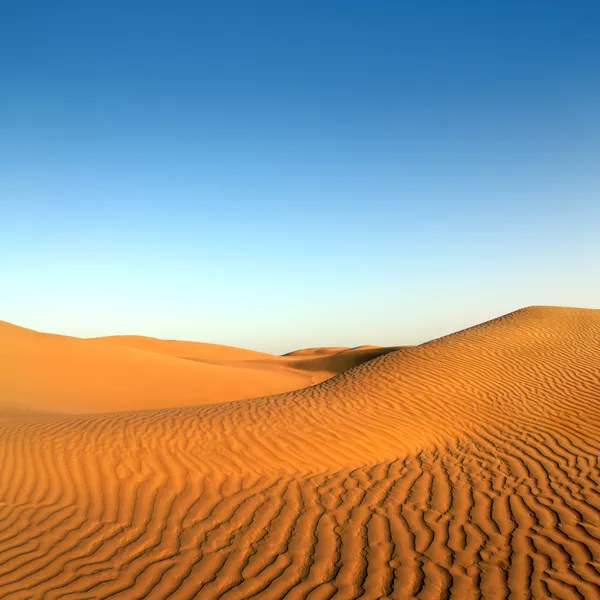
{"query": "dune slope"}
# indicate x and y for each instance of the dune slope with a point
(467, 467)
(45, 372)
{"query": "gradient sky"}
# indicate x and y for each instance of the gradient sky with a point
(277, 174)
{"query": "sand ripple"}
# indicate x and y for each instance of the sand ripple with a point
(467, 467)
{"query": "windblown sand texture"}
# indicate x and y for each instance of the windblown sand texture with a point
(467, 467)
(44, 372)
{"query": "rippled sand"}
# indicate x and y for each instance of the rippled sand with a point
(466, 467)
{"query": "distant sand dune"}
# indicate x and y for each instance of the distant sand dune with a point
(323, 350)
(466, 467)
(191, 350)
(46, 372)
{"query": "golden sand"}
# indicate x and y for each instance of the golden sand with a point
(466, 467)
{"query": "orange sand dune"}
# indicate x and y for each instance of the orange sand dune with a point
(323, 350)
(46, 372)
(190, 350)
(329, 360)
(467, 467)
(323, 362)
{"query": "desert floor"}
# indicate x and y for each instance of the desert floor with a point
(466, 467)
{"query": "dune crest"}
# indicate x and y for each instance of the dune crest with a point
(466, 467)
(57, 373)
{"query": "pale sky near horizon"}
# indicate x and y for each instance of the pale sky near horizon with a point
(277, 175)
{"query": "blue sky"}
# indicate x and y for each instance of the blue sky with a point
(284, 174)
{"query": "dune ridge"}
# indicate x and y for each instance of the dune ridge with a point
(47, 372)
(466, 467)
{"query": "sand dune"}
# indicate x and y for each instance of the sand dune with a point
(57, 373)
(323, 362)
(182, 349)
(319, 351)
(334, 360)
(466, 467)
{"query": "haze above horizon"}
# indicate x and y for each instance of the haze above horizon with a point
(281, 175)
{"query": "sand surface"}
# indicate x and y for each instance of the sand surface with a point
(467, 467)
(45, 372)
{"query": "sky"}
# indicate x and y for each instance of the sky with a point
(277, 175)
